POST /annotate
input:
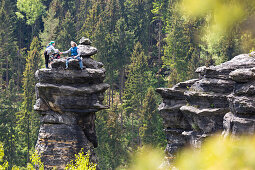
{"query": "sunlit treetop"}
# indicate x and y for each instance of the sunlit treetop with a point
(31, 10)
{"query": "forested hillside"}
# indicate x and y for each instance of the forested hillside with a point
(144, 44)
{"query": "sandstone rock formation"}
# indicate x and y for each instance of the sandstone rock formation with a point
(67, 101)
(195, 109)
(173, 119)
(241, 118)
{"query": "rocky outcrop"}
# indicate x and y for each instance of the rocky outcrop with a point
(196, 110)
(173, 119)
(241, 118)
(67, 101)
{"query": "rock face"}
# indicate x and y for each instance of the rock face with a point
(222, 98)
(173, 119)
(241, 118)
(67, 101)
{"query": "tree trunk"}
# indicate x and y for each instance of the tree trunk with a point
(11, 159)
(112, 94)
(7, 72)
(138, 137)
(1, 78)
(122, 77)
(18, 78)
(109, 97)
(159, 42)
(132, 141)
(121, 119)
(28, 136)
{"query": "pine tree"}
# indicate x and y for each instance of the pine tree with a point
(140, 18)
(136, 87)
(93, 19)
(8, 46)
(67, 32)
(181, 45)
(51, 23)
(28, 123)
(9, 101)
(112, 145)
(152, 126)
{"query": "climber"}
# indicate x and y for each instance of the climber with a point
(48, 51)
(54, 56)
(75, 54)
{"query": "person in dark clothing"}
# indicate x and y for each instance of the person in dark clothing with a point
(48, 51)
(53, 57)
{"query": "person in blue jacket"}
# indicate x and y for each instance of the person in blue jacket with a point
(48, 51)
(75, 54)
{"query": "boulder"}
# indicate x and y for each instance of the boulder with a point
(85, 41)
(87, 50)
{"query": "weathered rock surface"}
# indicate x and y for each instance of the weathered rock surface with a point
(85, 41)
(241, 118)
(67, 101)
(222, 98)
(173, 119)
(74, 64)
(87, 50)
(85, 47)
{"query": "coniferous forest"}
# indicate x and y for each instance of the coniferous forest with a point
(144, 44)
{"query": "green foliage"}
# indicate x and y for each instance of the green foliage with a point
(182, 48)
(32, 10)
(67, 32)
(51, 23)
(226, 28)
(152, 125)
(27, 120)
(219, 153)
(4, 164)
(81, 162)
(137, 80)
(36, 163)
(9, 106)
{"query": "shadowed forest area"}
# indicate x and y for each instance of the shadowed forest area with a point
(144, 44)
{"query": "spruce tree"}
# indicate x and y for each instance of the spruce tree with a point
(51, 23)
(67, 32)
(8, 46)
(28, 123)
(9, 101)
(152, 125)
(112, 145)
(136, 87)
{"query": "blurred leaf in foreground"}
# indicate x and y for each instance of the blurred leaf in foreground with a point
(147, 158)
(223, 16)
(221, 154)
